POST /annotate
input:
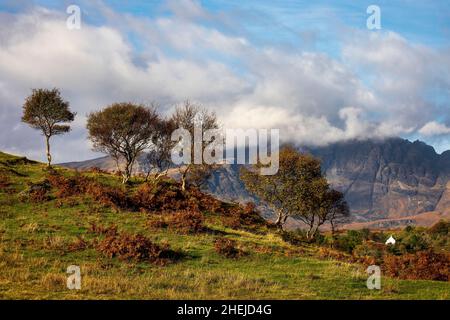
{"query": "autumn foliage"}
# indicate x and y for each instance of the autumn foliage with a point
(187, 222)
(79, 184)
(227, 248)
(426, 265)
(134, 247)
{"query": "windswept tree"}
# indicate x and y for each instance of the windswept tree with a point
(123, 131)
(280, 191)
(188, 116)
(320, 205)
(158, 159)
(46, 110)
(339, 209)
(298, 190)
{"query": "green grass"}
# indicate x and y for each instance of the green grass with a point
(34, 257)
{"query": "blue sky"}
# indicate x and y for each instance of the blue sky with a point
(311, 64)
(427, 22)
(422, 21)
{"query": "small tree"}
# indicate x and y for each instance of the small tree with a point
(323, 205)
(188, 116)
(339, 209)
(123, 130)
(298, 190)
(45, 110)
(158, 159)
(282, 190)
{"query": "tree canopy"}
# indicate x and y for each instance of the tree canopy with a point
(123, 130)
(46, 110)
(298, 190)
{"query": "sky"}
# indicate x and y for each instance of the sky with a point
(312, 69)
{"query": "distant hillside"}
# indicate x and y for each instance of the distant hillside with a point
(387, 183)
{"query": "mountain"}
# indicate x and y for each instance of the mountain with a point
(387, 183)
(392, 179)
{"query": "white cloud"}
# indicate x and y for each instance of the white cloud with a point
(434, 128)
(378, 90)
(404, 76)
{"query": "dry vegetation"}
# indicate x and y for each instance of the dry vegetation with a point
(153, 240)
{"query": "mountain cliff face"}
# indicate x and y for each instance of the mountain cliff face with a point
(387, 183)
(393, 178)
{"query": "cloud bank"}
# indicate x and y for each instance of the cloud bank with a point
(379, 84)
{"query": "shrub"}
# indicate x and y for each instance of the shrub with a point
(441, 228)
(39, 195)
(106, 195)
(144, 196)
(242, 216)
(5, 181)
(158, 222)
(101, 230)
(410, 241)
(365, 233)
(370, 251)
(137, 248)
(426, 265)
(293, 238)
(110, 196)
(349, 241)
(160, 196)
(187, 222)
(328, 253)
(440, 235)
(204, 202)
(227, 248)
(37, 192)
(167, 195)
(66, 187)
(378, 237)
(19, 161)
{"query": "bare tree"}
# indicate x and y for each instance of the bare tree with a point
(124, 131)
(188, 116)
(158, 160)
(45, 110)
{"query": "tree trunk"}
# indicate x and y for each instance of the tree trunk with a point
(183, 178)
(310, 233)
(280, 220)
(49, 156)
(126, 174)
(333, 229)
(183, 182)
(125, 177)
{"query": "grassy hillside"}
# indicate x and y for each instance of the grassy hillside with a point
(41, 237)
